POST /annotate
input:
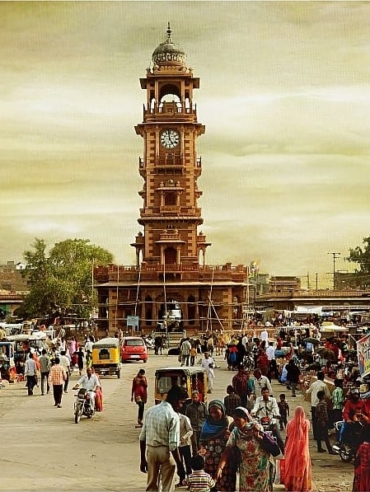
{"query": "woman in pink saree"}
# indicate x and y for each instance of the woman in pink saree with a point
(298, 469)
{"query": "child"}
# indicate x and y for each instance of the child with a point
(186, 431)
(284, 411)
(322, 417)
(231, 401)
(193, 354)
(199, 479)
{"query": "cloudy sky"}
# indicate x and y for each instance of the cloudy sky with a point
(285, 98)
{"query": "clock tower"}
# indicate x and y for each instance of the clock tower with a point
(170, 166)
(170, 286)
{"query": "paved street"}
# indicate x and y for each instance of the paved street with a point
(41, 447)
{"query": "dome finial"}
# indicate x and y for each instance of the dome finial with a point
(169, 54)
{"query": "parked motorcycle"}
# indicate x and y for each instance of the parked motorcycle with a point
(347, 449)
(82, 405)
(149, 342)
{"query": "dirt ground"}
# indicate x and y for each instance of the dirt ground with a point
(41, 448)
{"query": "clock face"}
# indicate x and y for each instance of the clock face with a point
(170, 139)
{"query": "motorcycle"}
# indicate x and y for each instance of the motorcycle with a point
(248, 362)
(347, 449)
(149, 342)
(82, 405)
(269, 424)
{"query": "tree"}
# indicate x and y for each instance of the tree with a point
(361, 256)
(62, 281)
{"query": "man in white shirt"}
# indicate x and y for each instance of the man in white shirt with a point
(266, 406)
(315, 387)
(265, 336)
(208, 364)
(261, 382)
(65, 361)
(88, 346)
(90, 382)
(245, 343)
(270, 352)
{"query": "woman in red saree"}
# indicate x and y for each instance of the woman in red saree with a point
(298, 469)
(361, 479)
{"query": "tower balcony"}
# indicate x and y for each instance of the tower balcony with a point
(179, 111)
(174, 210)
(169, 161)
(189, 271)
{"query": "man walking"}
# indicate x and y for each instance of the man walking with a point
(197, 413)
(185, 352)
(45, 365)
(30, 371)
(313, 390)
(208, 364)
(65, 362)
(270, 352)
(57, 377)
(240, 383)
(293, 373)
(261, 382)
(160, 440)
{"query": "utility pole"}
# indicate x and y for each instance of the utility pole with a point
(335, 257)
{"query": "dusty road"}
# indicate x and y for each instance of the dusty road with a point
(41, 448)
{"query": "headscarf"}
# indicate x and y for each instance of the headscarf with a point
(247, 431)
(213, 428)
(297, 455)
(299, 425)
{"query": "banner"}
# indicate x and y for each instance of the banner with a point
(363, 355)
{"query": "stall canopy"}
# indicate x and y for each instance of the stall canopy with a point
(308, 310)
(328, 327)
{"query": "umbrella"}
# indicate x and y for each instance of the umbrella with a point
(315, 341)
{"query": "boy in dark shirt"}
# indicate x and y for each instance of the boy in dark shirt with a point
(284, 411)
(322, 423)
(231, 401)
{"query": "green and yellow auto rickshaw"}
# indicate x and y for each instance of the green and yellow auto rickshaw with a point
(189, 378)
(106, 358)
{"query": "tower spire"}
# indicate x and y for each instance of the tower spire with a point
(169, 32)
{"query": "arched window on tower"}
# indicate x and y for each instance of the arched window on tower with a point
(170, 255)
(170, 199)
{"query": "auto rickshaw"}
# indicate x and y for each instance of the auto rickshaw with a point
(106, 358)
(7, 364)
(189, 378)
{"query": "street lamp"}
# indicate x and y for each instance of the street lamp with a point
(335, 257)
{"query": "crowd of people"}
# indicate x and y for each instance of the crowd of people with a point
(230, 444)
(51, 370)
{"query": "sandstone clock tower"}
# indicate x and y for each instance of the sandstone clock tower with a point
(170, 166)
(170, 273)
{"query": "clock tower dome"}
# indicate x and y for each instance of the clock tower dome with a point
(170, 166)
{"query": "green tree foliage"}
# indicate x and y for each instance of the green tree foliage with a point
(361, 256)
(62, 280)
